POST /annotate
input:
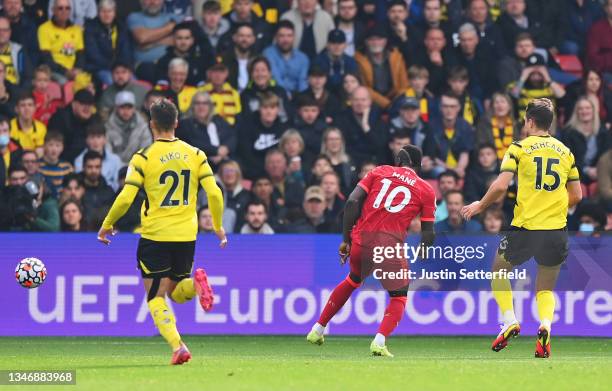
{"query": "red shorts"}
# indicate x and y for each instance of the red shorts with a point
(391, 271)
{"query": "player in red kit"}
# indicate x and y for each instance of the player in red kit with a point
(377, 215)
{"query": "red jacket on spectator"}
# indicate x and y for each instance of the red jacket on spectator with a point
(599, 46)
(45, 106)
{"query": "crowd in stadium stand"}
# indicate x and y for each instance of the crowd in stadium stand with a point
(294, 101)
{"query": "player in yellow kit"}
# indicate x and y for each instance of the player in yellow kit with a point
(548, 184)
(170, 172)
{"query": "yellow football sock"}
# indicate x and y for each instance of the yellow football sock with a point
(502, 291)
(165, 321)
(184, 291)
(546, 307)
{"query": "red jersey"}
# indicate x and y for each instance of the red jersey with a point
(395, 196)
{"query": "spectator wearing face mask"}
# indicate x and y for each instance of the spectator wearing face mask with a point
(590, 219)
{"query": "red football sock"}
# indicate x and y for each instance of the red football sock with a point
(393, 315)
(337, 299)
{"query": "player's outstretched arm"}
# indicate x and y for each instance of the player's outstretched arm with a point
(497, 189)
(120, 207)
(352, 211)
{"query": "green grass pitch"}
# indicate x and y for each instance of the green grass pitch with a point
(288, 363)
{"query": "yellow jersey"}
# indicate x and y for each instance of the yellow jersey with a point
(543, 166)
(62, 43)
(29, 139)
(169, 172)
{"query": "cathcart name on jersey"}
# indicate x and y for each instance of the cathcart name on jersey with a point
(544, 144)
(459, 254)
(446, 274)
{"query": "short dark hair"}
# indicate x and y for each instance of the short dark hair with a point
(73, 177)
(451, 192)
(255, 202)
(183, 26)
(450, 173)
(23, 95)
(393, 3)
(261, 178)
(524, 36)
(285, 24)
(541, 114)
(164, 114)
(485, 146)
(409, 156)
(54, 135)
(458, 72)
(91, 155)
(96, 128)
(211, 6)
(238, 26)
(305, 100)
(256, 60)
(450, 94)
(15, 168)
(121, 64)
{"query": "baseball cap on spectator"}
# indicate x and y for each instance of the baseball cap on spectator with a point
(316, 70)
(378, 31)
(409, 102)
(125, 98)
(314, 193)
(535, 59)
(336, 36)
(85, 97)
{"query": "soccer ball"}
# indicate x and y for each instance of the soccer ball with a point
(30, 272)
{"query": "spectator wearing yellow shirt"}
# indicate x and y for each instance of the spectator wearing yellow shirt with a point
(225, 98)
(176, 88)
(27, 131)
(61, 43)
(13, 55)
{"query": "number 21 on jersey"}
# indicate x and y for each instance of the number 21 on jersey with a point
(173, 178)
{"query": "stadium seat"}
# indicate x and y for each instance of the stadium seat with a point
(54, 90)
(570, 64)
(68, 92)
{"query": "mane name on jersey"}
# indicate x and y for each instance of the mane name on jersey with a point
(171, 156)
(544, 144)
(405, 179)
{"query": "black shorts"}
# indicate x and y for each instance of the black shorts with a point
(165, 259)
(548, 247)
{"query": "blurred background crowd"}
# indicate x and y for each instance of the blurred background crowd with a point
(295, 101)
